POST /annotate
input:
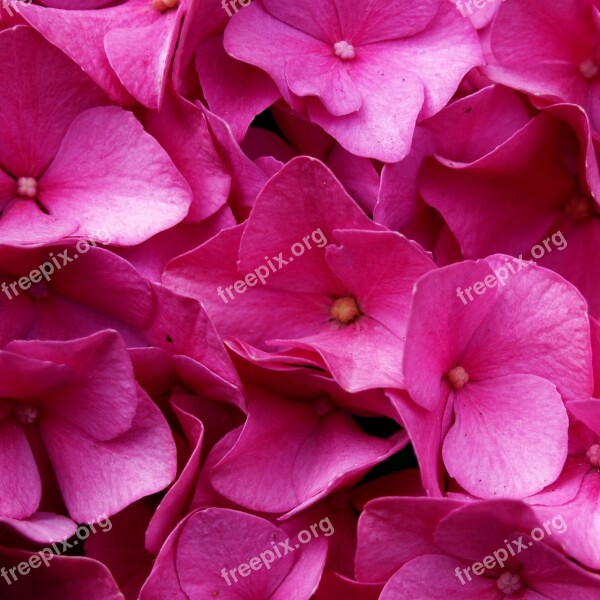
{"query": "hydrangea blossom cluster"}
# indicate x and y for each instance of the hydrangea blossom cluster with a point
(302, 298)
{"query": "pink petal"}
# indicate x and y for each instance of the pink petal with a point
(509, 438)
(142, 64)
(105, 165)
(433, 576)
(99, 477)
(408, 525)
(28, 144)
(20, 483)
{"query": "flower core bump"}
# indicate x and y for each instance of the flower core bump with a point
(580, 207)
(344, 50)
(345, 310)
(457, 377)
(589, 68)
(27, 187)
(26, 413)
(593, 455)
(509, 583)
(163, 5)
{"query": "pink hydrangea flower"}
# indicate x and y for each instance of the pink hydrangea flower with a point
(70, 165)
(533, 190)
(430, 542)
(364, 74)
(314, 447)
(555, 64)
(126, 48)
(327, 301)
(74, 407)
(486, 378)
(208, 542)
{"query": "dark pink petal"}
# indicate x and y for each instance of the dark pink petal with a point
(109, 174)
(28, 144)
(41, 527)
(407, 525)
(182, 130)
(20, 483)
(72, 577)
(581, 536)
(222, 77)
(98, 477)
(101, 396)
(312, 445)
(80, 35)
(434, 576)
(190, 564)
(490, 453)
(141, 56)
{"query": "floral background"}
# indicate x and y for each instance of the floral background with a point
(299, 300)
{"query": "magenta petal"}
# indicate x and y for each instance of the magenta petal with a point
(581, 535)
(99, 477)
(177, 498)
(423, 368)
(23, 223)
(509, 438)
(587, 412)
(105, 165)
(432, 576)
(20, 483)
(101, 396)
(360, 357)
(72, 577)
(25, 376)
(182, 130)
(76, 4)
(28, 144)
(42, 526)
(408, 525)
(314, 453)
(80, 35)
(252, 535)
(139, 61)
(222, 77)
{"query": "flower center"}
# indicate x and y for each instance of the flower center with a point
(27, 186)
(26, 413)
(509, 583)
(589, 68)
(345, 310)
(457, 377)
(323, 406)
(593, 455)
(344, 50)
(39, 290)
(163, 5)
(580, 207)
